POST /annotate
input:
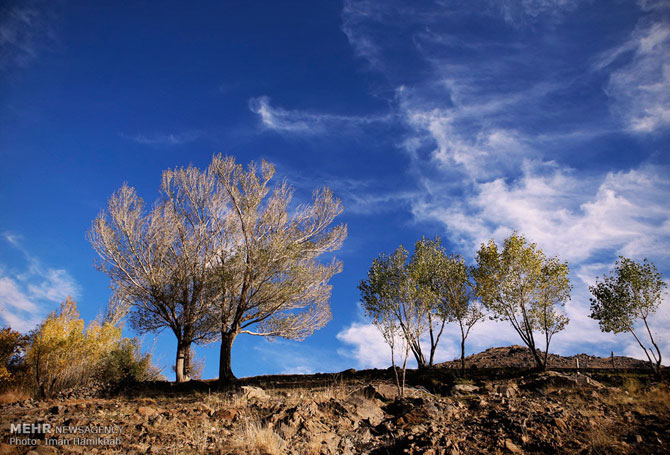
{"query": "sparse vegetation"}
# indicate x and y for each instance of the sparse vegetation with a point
(562, 413)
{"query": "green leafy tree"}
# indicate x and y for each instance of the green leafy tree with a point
(384, 297)
(427, 281)
(452, 285)
(630, 293)
(520, 285)
(398, 288)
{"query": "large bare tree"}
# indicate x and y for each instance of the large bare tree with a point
(266, 278)
(158, 259)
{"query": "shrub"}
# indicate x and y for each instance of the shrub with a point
(126, 363)
(12, 363)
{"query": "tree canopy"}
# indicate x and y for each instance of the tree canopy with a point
(630, 293)
(266, 278)
(519, 284)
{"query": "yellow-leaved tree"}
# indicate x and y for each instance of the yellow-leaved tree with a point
(63, 353)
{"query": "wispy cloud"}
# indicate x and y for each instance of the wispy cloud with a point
(639, 82)
(26, 297)
(488, 132)
(25, 29)
(307, 123)
(165, 139)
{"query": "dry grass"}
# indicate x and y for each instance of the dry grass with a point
(13, 395)
(600, 441)
(256, 438)
(644, 399)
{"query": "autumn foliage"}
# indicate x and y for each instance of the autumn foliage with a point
(62, 353)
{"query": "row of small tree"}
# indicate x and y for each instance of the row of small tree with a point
(220, 253)
(62, 353)
(410, 299)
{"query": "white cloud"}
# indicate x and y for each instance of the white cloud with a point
(563, 212)
(11, 295)
(54, 285)
(640, 87)
(488, 165)
(367, 346)
(307, 123)
(299, 369)
(27, 297)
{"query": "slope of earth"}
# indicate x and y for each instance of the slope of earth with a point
(521, 357)
(546, 413)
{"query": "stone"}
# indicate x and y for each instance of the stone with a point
(509, 445)
(251, 392)
(226, 415)
(464, 389)
(366, 409)
(146, 411)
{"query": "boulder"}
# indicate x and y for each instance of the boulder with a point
(146, 411)
(464, 389)
(251, 392)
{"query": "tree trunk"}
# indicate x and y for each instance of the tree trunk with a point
(395, 371)
(542, 366)
(226, 375)
(187, 364)
(463, 356)
(651, 362)
(182, 348)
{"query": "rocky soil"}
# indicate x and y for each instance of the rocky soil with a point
(359, 413)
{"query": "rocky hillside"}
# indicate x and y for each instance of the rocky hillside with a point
(520, 357)
(539, 414)
(626, 412)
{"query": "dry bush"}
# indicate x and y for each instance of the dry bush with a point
(13, 395)
(256, 438)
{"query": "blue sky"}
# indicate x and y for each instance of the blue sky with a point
(462, 119)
